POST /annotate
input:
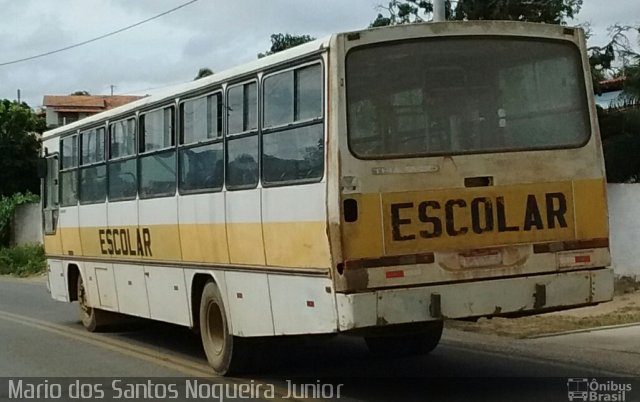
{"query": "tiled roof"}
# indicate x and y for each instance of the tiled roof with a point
(615, 84)
(86, 103)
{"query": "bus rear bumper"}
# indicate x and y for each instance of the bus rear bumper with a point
(520, 295)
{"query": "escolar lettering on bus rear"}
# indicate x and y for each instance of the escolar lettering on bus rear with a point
(124, 241)
(487, 214)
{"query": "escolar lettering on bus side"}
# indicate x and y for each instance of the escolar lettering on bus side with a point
(487, 215)
(120, 241)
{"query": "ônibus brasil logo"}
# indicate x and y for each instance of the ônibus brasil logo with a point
(583, 389)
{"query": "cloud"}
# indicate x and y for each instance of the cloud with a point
(218, 34)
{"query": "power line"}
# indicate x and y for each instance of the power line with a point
(152, 88)
(99, 37)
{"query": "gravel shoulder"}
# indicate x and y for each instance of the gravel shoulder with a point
(623, 309)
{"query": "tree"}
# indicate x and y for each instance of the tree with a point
(203, 72)
(548, 11)
(411, 11)
(19, 148)
(631, 86)
(280, 42)
(80, 93)
(406, 12)
(619, 49)
(619, 126)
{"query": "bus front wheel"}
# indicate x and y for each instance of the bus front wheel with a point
(93, 319)
(419, 342)
(223, 350)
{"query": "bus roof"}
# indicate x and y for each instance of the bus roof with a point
(174, 90)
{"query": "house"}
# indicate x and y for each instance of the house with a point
(611, 96)
(61, 110)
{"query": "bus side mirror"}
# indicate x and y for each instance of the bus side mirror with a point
(42, 168)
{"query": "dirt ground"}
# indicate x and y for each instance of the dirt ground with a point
(623, 309)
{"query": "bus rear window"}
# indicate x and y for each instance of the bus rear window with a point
(465, 95)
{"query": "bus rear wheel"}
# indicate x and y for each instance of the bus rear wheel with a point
(225, 352)
(93, 319)
(419, 342)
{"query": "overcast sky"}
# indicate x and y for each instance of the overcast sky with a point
(209, 33)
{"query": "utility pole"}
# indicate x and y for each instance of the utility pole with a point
(438, 11)
(112, 87)
(18, 95)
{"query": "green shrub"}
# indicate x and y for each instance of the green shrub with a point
(22, 260)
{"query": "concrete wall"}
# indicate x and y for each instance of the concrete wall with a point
(51, 117)
(624, 227)
(27, 224)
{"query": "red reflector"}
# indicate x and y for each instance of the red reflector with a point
(394, 274)
(311, 303)
(583, 258)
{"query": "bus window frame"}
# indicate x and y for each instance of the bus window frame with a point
(181, 146)
(294, 124)
(225, 103)
(119, 159)
(580, 60)
(142, 154)
(241, 82)
(76, 135)
(82, 165)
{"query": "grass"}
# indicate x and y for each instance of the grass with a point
(22, 261)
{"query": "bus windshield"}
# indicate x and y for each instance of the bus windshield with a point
(457, 95)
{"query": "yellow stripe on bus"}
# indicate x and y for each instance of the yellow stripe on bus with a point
(591, 205)
(288, 244)
(297, 244)
(469, 218)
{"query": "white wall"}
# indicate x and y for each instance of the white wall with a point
(624, 227)
(27, 224)
(52, 117)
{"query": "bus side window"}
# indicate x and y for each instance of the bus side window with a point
(93, 170)
(69, 171)
(158, 160)
(201, 154)
(293, 129)
(242, 136)
(122, 165)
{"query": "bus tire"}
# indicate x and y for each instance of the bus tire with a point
(224, 351)
(414, 343)
(93, 319)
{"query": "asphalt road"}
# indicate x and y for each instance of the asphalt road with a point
(43, 338)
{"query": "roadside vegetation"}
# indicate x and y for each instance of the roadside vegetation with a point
(24, 260)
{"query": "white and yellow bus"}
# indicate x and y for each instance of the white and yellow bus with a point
(372, 183)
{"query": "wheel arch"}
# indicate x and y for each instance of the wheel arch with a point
(198, 282)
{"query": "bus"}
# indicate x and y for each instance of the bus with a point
(372, 183)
